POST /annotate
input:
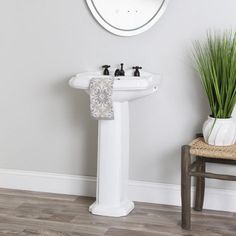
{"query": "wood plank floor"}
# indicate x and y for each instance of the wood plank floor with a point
(27, 213)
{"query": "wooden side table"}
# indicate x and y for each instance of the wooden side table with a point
(203, 153)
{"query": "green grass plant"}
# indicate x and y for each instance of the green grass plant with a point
(216, 63)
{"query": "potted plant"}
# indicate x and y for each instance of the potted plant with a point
(216, 64)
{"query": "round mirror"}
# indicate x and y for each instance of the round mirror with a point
(127, 17)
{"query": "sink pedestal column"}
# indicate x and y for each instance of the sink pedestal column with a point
(113, 165)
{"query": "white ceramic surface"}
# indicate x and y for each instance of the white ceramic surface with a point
(113, 141)
(127, 17)
(219, 132)
(125, 87)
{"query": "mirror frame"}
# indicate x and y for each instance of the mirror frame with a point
(126, 33)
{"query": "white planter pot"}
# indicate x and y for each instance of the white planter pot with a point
(219, 132)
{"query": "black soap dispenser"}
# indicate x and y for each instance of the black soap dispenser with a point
(106, 71)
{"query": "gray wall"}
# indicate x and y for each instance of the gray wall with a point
(45, 125)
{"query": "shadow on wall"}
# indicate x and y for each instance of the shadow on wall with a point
(83, 128)
(198, 110)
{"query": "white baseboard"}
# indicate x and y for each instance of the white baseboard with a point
(216, 199)
(48, 182)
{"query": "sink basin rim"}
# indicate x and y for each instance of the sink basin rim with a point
(121, 83)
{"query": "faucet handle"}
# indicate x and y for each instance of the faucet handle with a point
(106, 71)
(106, 66)
(137, 67)
(137, 72)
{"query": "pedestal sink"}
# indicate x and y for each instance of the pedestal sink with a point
(113, 141)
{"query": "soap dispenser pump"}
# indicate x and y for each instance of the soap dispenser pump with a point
(106, 71)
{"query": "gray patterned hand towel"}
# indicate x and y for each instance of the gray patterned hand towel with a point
(101, 106)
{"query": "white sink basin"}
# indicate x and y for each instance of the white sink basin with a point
(113, 141)
(125, 88)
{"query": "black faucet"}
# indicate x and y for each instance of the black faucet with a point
(106, 71)
(137, 72)
(120, 72)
